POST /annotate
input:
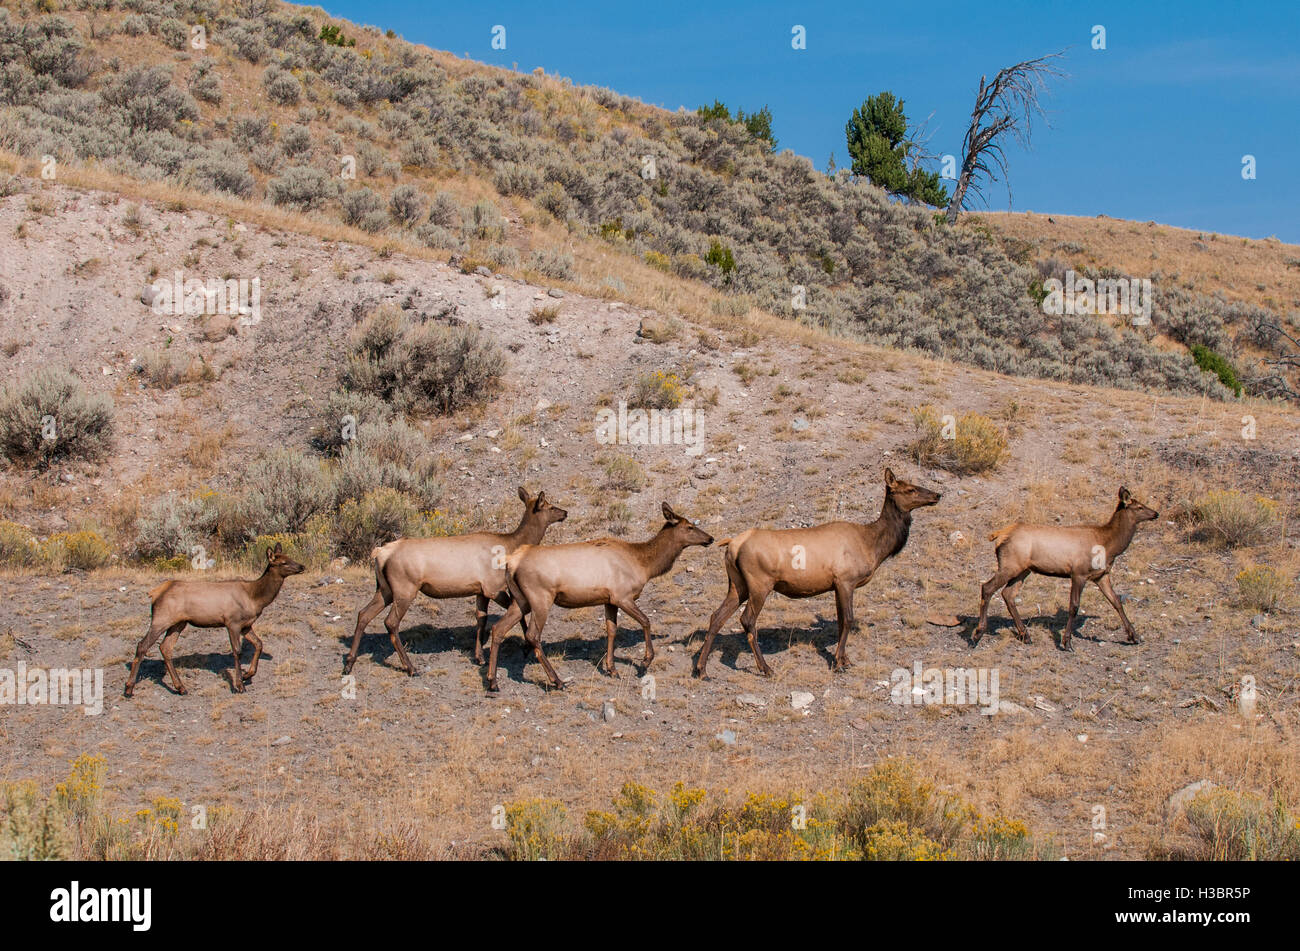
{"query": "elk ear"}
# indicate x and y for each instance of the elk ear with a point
(270, 554)
(669, 515)
(523, 496)
(539, 501)
(1124, 497)
(890, 479)
(278, 549)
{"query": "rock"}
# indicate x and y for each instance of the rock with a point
(799, 424)
(1041, 704)
(541, 405)
(1006, 706)
(148, 294)
(727, 736)
(483, 271)
(465, 438)
(943, 620)
(608, 712)
(555, 292)
(281, 740)
(800, 699)
(750, 700)
(1179, 800)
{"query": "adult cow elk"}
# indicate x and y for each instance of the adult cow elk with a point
(608, 571)
(454, 567)
(806, 562)
(1081, 553)
(234, 605)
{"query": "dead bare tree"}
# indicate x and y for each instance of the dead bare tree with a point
(1008, 104)
(1284, 363)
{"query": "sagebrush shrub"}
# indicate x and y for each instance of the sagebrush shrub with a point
(172, 525)
(380, 516)
(1233, 519)
(427, 368)
(302, 187)
(967, 446)
(49, 416)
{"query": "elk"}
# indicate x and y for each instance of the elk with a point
(1081, 553)
(453, 567)
(584, 574)
(806, 562)
(234, 605)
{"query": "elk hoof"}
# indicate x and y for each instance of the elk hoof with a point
(1024, 638)
(239, 688)
(1134, 638)
(698, 673)
(492, 686)
(765, 670)
(128, 691)
(347, 667)
(1067, 646)
(611, 672)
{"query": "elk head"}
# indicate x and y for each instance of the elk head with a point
(906, 495)
(683, 529)
(1139, 511)
(281, 564)
(536, 506)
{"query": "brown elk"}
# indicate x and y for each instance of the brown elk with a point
(584, 574)
(453, 567)
(234, 605)
(806, 562)
(1081, 553)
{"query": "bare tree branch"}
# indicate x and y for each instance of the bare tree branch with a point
(1008, 104)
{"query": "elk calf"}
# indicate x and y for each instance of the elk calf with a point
(1081, 553)
(453, 567)
(234, 605)
(583, 574)
(805, 562)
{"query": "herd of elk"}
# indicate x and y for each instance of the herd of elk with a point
(527, 578)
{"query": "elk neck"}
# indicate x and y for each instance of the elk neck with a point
(657, 554)
(892, 526)
(1118, 532)
(530, 530)
(264, 590)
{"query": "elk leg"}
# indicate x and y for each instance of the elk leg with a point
(257, 654)
(611, 631)
(236, 641)
(534, 636)
(394, 624)
(987, 590)
(726, 609)
(504, 599)
(1009, 596)
(844, 609)
(1076, 588)
(165, 648)
(749, 621)
(514, 615)
(480, 625)
(141, 649)
(365, 616)
(631, 608)
(1104, 584)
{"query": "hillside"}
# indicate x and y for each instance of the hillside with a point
(225, 434)
(270, 111)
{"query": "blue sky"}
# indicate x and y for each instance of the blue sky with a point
(1154, 127)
